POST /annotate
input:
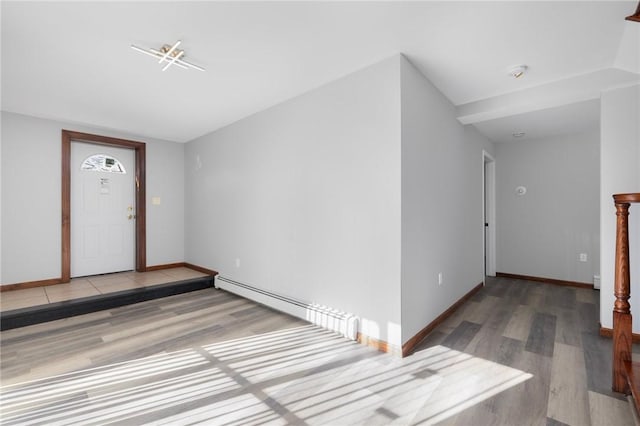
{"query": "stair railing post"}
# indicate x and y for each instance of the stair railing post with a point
(622, 320)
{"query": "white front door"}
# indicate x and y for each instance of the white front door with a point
(102, 209)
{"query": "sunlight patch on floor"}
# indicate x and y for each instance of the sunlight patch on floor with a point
(299, 375)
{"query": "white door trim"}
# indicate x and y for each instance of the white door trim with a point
(489, 212)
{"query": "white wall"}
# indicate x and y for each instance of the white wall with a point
(0, 201)
(1, 281)
(542, 233)
(442, 206)
(620, 173)
(165, 222)
(306, 195)
(31, 176)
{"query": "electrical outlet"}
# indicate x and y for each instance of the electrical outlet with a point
(440, 278)
(582, 257)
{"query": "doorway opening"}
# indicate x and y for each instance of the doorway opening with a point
(68, 137)
(489, 213)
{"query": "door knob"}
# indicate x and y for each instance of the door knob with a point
(131, 216)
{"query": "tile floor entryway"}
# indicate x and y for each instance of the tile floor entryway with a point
(92, 286)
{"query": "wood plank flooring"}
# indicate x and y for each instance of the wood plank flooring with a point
(517, 353)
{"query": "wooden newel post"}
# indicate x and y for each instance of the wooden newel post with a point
(621, 308)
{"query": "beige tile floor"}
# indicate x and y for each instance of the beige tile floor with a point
(92, 286)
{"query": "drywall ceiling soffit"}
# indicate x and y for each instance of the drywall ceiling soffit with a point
(578, 117)
(565, 106)
(559, 93)
(71, 60)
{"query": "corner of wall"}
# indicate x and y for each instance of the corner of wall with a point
(442, 226)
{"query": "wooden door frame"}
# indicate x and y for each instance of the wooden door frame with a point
(69, 136)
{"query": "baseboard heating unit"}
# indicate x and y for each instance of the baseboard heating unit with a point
(323, 316)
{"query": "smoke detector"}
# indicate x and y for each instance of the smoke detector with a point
(517, 71)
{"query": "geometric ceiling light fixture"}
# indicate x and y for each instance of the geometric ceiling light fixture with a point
(517, 71)
(171, 55)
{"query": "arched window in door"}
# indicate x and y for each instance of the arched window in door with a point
(103, 163)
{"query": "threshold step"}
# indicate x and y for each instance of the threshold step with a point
(69, 308)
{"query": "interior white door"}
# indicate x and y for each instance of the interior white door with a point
(489, 176)
(102, 209)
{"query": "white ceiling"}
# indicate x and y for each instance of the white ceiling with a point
(71, 61)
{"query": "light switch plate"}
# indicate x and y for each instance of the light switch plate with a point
(155, 201)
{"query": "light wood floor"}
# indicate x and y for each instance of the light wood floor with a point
(518, 353)
(92, 286)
